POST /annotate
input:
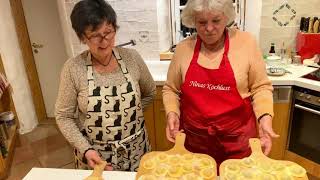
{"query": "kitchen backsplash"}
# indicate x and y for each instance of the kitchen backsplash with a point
(145, 21)
(280, 21)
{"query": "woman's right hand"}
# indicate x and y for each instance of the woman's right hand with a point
(93, 159)
(172, 128)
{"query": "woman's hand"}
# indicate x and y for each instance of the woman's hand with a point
(172, 128)
(93, 159)
(266, 133)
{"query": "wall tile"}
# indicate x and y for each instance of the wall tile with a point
(271, 31)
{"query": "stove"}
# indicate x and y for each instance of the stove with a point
(313, 76)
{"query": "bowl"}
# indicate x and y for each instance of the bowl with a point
(7, 117)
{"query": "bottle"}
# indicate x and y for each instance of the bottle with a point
(272, 51)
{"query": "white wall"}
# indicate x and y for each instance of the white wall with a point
(136, 18)
(253, 17)
(65, 28)
(260, 22)
(164, 24)
(14, 67)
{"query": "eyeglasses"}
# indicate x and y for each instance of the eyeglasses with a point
(96, 39)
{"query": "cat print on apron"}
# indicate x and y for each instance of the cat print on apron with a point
(115, 125)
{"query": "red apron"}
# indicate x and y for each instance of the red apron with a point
(215, 118)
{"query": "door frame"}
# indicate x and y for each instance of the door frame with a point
(28, 59)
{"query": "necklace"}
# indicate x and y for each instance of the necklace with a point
(102, 63)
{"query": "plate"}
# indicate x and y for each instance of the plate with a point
(311, 63)
(276, 71)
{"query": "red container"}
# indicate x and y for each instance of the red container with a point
(308, 45)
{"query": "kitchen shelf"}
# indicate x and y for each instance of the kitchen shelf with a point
(11, 142)
(7, 104)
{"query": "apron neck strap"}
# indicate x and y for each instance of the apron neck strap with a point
(198, 47)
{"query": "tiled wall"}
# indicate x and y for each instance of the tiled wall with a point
(140, 20)
(280, 21)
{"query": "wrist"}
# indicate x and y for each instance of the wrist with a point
(172, 114)
(84, 154)
(263, 115)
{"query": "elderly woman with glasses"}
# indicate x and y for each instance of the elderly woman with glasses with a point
(102, 94)
(217, 87)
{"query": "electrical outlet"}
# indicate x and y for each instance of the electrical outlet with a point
(143, 36)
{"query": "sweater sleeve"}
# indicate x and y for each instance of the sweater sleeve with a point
(146, 82)
(259, 84)
(171, 89)
(65, 109)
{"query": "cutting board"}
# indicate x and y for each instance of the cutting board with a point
(199, 163)
(258, 166)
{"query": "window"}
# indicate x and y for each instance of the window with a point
(180, 31)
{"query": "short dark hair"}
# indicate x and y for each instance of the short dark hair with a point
(92, 13)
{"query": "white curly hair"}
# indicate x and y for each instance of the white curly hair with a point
(192, 6)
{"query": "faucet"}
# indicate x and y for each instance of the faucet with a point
(132, 42)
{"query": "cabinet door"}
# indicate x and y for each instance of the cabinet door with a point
(149, 119)
(280, 126)
(160, 126)
(162, 144)
(280, 123)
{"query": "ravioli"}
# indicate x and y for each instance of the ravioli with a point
(205, 162)
(191, 176)
(232, 168)
(248, 162)
(266, 176)
(174, 160)
(162, 157)
(149, 164)
(297, 171)
(230, 176)
(278, 167)
(175, 171)
(284, 176)
(250, 173)
(161, 170)
(179, 167)
(188, 157)
(207, 173)
(147, 177)
(265, 166)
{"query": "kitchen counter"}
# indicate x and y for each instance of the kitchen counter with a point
(159, 71)
(72, 174)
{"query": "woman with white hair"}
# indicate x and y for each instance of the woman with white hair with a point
(217, 87)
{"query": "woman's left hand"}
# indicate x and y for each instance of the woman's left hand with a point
(266, 133)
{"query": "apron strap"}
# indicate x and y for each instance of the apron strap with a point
(122, 65)
(196, 51)
(120, 143)
(198, 47)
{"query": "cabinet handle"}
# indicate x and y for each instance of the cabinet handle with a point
(307, 109)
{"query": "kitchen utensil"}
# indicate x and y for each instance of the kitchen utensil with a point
(157, 163)
(302, 22)
(316, 26)
(310, 29)
(259, 166)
